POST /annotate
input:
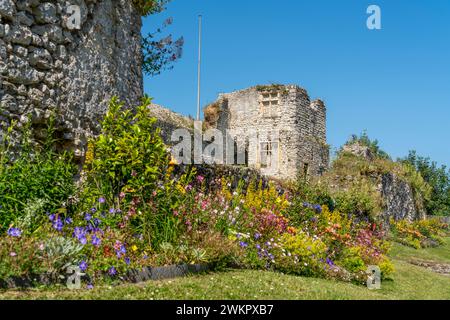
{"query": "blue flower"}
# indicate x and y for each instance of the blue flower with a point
(58, 224)
(318, 208)
(90, 286)
(112, 211)
(93, 210)
(14, 232)
(112, 271)
(68, 220)
(52, 217)
(306, 204)
(97, 222)
(80, 234)
(121, 251)
(102, 200)
(330, 262)
(257, 236)
(83, 266)
(127, 260)
(243, 244)
(96, 241)
(87, 217)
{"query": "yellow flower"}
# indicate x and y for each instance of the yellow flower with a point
(173, 161)
(134, 248)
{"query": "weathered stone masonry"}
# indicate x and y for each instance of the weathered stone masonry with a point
(290, 128)
(47, 67)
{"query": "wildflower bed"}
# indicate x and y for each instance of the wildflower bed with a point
(133, 209)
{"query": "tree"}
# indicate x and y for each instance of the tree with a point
(437, 177)
(159, 52)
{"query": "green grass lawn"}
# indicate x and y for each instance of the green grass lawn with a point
(409, 282)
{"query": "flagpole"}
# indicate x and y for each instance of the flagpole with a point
(199, 64)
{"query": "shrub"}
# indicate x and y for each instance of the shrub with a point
(438, 178)
(419, 234)
(33, 179)
(128, 169)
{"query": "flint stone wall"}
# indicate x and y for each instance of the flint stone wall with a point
(48, 66)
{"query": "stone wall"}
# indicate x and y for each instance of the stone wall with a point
(48, 65)
(287, 110)
(399, 200)
(169, 121)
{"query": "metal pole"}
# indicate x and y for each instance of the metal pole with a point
(199, 64)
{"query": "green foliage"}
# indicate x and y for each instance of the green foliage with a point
(305, 255)
(127, 168)
(148, 7)
(361, 200)
(419, 234)
(60, 252)
(30, 176)
(364, 140)
(128, 156)
(438, 178)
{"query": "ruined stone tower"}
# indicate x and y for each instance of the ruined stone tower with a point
(51, 63)
(290, 129)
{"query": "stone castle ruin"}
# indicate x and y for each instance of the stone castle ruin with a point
(290, 129)
(53, 61)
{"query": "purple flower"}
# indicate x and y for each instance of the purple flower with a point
(121, 251)
(97, 222)
(258, 247)
(83, 266)
(112, 211)
(102, 200)
(14, 232)
(87, 217)
(58, 224)
(306, 204)
(68, 220)
(52, 217)
(93, 210)
(112, 271)
(80, 234)
(90, 286)
(96, 241)
(243, 244)
(330, 262)
(257, 236)
(318, 208)
(127, 260)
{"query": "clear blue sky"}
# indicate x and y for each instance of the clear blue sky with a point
(394, 82)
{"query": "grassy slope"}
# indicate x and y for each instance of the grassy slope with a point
(409, 282)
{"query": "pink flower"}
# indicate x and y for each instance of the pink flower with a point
(200, 179)
(13, 254)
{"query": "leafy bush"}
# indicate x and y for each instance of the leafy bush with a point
(419, 234)
(438, 178)
(32, 178)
